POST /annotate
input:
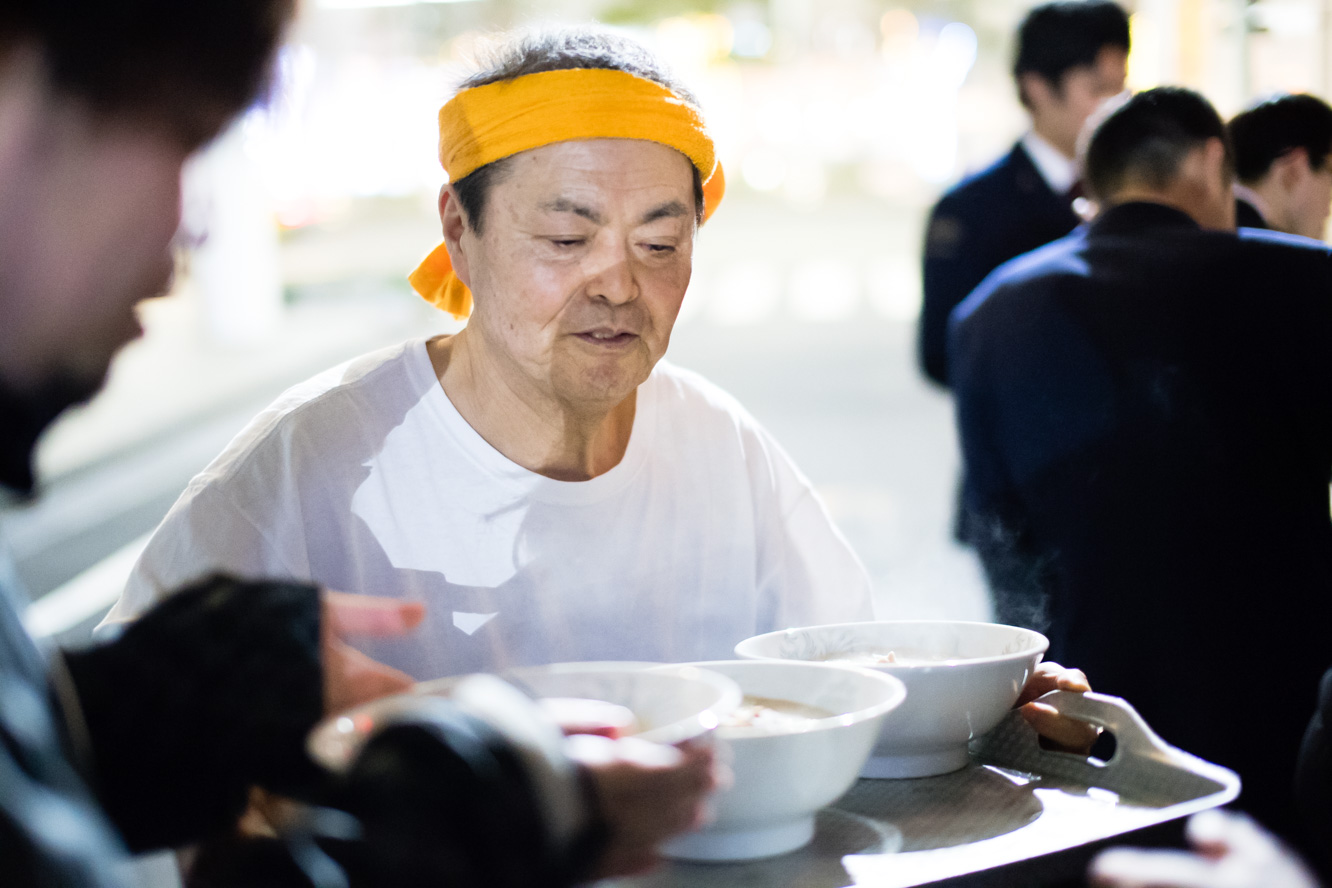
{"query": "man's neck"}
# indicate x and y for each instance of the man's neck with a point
(1056, 168)
(1182, 198)
(528, 427)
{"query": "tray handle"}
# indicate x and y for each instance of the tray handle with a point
(1133, 736)
(1143, 764)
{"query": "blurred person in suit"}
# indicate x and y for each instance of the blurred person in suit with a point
(1071, 55)
(1282, 147)
(154, 739)
(1148, 454)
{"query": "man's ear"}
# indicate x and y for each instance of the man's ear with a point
(1215, 165)
(1291, 169)
(454, 220)
(1037, 92)
(1217, 184)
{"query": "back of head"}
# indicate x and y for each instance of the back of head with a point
(1058, 36)
(1143, 141)
(183, 65)
(560, 50)
(1276, 126)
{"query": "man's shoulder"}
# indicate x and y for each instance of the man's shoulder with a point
(994, 181)
(701, 413)
(1297, 266)
(323, 409)
(1023, 279)
(707, 431)
(678, 390)
(1262, 238)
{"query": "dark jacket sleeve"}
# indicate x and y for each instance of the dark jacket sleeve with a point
(208, 694)
(954, 264)
(994, 519)
(1313, 783)
(51, 831)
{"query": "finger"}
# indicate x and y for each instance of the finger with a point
(646, 754)
(352, 678)
(628, 861)
(1042, 681)
(350, 615)
(1050, 676)
(1218, 833)
(1067, 734)
(1132, 868)
(1214, 833)
(1074, 680)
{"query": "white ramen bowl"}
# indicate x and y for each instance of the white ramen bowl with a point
(783, 778)
(670, 704)
(961, 679)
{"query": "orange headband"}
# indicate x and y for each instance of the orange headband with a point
(488, 123)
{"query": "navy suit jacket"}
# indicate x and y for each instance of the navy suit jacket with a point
(982, 222)
(1247, 215)
(1145, 412)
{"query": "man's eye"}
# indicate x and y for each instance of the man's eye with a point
(566, 241)
(660, 248)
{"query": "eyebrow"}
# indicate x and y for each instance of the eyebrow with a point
(669, 210)
(565, 205)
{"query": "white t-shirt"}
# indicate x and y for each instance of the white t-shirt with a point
(367, 479)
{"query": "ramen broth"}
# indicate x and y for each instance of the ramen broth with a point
(767, 715)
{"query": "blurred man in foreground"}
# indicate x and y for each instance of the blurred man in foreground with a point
(1071, 54)
(154, 740)
(1143, 414)
(1282, 161)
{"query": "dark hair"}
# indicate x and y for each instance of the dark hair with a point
(186, 66)
(1057, 37)
(1147, 137)
(1277, 126)
(561, 51)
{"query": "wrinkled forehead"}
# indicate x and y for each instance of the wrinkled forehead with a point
(619, 171)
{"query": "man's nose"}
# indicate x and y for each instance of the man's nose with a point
(611, 273)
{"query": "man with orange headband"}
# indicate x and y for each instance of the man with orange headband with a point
(542, 480)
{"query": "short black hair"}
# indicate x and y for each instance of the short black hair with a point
(561, 50)
(1065, 34)
(1276, 126)
(1147, 137)
(185, 66)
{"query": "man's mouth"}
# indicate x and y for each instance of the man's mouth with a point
(607, 338)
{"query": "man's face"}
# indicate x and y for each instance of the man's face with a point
(1058, 112)
(1311, 200)
(88, 210)
(583, 260)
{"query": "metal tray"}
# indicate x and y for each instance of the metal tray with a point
(1018, 815)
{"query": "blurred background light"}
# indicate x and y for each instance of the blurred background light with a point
(375, 4)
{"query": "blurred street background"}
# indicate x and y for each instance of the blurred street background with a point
(838, 122)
